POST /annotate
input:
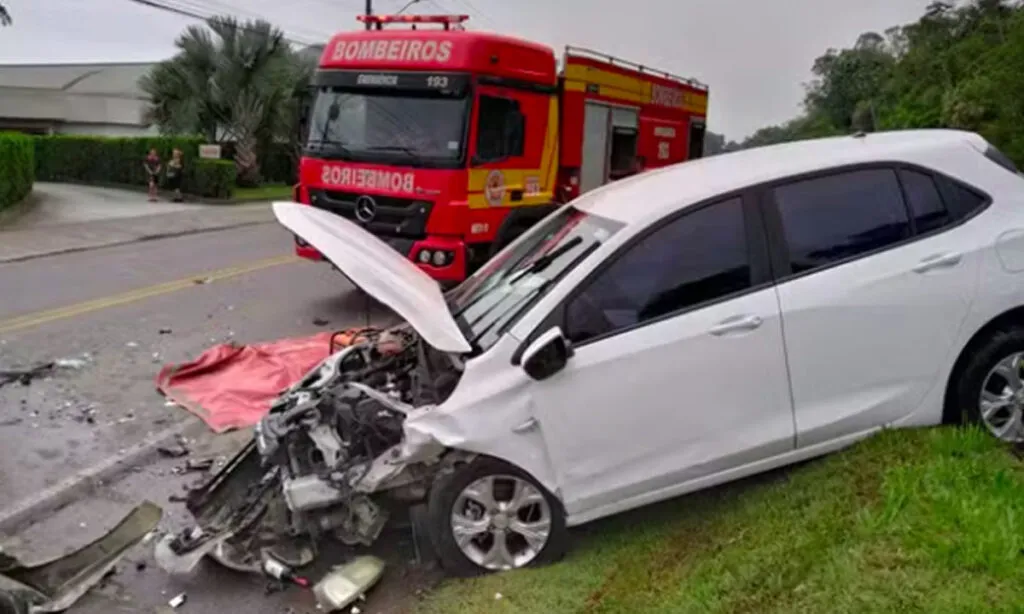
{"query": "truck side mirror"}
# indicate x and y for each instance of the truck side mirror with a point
(547, 355)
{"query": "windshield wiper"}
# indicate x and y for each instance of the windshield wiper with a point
(402, 148)
(545, 261)
(329, 143)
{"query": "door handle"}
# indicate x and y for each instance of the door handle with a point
(938, 261)
(527, 426)
(736, 324)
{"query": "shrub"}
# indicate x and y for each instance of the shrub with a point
(214, 178)
(17, 168)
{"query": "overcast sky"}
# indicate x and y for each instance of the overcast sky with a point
(754, 54)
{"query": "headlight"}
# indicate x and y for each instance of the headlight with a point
(424, 256)
(440, 258)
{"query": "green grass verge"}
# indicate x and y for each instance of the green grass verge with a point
(927, 520)
(263, 192)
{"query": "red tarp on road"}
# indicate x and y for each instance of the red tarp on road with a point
(232, 386)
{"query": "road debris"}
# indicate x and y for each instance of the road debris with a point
(178, 600)
(11, 422)
(201, 281)
(56, 585)
(194, 466)
(320, 322)
(43, 370)
(173, 451)
(165, 331)
(347, 583)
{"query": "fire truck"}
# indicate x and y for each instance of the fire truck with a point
(448, 143)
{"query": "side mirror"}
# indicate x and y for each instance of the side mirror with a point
(547, 355)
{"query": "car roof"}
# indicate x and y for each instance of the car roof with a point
(661, 191)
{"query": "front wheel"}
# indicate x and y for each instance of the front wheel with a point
(490, 516)
(990, 388)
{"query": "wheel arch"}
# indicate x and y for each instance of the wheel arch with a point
(1007, 319)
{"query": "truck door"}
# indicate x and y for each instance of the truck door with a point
(594, 164)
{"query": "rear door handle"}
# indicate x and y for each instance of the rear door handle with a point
(938, 261)
(527, 426)
(736, 324)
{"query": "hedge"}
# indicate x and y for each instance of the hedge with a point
(119, 161)
(17, 168)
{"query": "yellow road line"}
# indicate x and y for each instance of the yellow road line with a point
(61, 313)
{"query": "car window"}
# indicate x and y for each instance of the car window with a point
(833, 218)
(961, 200)
(697, 258)
(925, 202)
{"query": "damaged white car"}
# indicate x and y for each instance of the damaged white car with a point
(662, 334)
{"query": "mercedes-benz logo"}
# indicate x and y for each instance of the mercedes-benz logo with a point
(366, 209)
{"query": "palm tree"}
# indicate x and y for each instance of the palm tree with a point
(228, 81)
(5, 17)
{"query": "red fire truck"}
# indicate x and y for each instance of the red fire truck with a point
(448, 143)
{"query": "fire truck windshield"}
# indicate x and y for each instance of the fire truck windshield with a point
(402, 127)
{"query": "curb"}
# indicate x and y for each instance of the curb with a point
(49, 500)
(139, 239)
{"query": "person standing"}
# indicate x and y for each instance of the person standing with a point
(153, 166)
(175, 170)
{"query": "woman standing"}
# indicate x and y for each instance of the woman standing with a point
(152, 165)
(175, 169)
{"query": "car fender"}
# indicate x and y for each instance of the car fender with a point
(507, 432)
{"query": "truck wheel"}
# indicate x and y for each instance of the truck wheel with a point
(488, 516)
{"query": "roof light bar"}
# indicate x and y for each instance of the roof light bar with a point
(382, 19)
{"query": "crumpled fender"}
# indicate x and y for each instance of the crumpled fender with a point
(501, 425)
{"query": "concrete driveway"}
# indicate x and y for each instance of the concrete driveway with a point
(66, 203)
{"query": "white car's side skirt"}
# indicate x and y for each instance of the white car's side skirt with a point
(721, 477)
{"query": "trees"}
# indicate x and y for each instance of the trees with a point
(229, 81)
(5, 16)
(958, 66)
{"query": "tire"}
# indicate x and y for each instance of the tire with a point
(963, 404)
(448, 491)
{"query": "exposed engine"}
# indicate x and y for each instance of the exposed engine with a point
(303, 476)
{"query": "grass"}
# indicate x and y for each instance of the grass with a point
(273, 191)
(927, 521)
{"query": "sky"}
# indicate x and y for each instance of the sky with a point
(754, 55)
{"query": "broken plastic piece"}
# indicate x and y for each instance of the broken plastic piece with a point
(56, 585)
(178, 600)
(346, 583)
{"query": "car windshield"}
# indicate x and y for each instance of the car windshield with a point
(411, 128)
(491, 300)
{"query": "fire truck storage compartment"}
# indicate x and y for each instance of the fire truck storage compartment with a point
(609, 143)
(695, 142)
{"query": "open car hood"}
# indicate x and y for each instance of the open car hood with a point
(379, 270)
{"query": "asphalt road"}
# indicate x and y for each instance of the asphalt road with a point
(113, 308)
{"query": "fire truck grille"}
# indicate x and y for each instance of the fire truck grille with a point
(382, 215)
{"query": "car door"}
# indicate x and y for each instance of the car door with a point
(678, 369)
(875, 283)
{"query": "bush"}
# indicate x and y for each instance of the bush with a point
(119, 161)
(17, 168)
(214, 178)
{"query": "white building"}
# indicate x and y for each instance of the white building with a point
(100, 99)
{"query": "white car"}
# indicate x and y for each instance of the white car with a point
(665, 333)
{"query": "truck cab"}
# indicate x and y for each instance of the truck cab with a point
(427, 137)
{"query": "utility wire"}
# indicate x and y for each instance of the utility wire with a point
(227, 8)
(163, 6)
